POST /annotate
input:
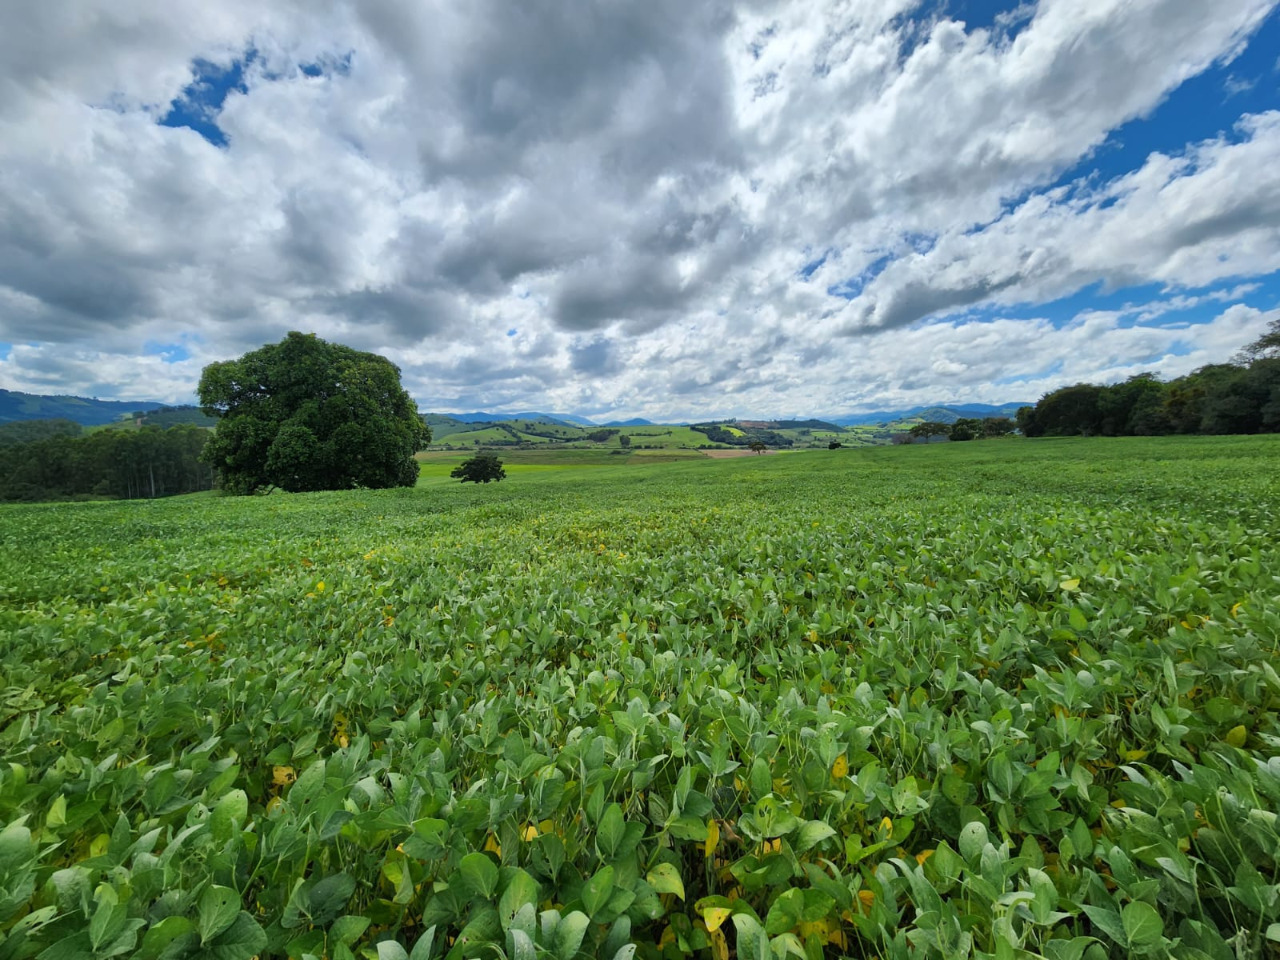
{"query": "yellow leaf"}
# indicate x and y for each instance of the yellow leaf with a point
(491, 845)
(714, 916)
(886, 826)
(1236, 608)
(388, 621)
(319, 586)
(813, 636)
(866, 898)
(529, 833)
(1236, 736)
(1069, 585)
(283, 776)
(922, 856)
(719, 946)
(713, 838)
(1134, 754)
(840, 768)
(307, 563)
(816, 927)
(274, 804)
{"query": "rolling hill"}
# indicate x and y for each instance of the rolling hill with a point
(86, 411)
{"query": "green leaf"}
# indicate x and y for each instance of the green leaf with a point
(666, 879)
(108, 920)
(521, 891)
(611, 831)
(785, 912)
(479, 874)
(973, 838)
(1072, 949)
(520, 946)
(242, 940)
(569, 934)
(306, 791)
(1109, 922)
(597, 891)
(231, 810)
(752, 941)
(346, 930)
(812, 833)
(761, 779)
(74, 947)
(422, 949)
(329, 896)
(390, 950)
(1142, 923)
(218, 909)
(161, 934)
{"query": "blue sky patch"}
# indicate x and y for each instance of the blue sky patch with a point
(811, 267)
(169, 352)
(850, 288)
(202, 99)
(1162, 306)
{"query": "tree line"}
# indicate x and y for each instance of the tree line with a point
(1238, 397)
(64, 464)
(716, 433)
(966, 428)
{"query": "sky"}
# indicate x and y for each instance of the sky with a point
(618, 208)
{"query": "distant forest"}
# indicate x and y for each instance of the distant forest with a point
(1238, 397)
(56, 460)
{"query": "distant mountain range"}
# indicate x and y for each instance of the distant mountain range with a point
(83, 410)
(941, 413)
(499, 417)
(92, 412)
(944, 413)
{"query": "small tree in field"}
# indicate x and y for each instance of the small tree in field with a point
(757, 446)
(479, 469)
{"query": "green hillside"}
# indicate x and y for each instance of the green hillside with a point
(82, 410)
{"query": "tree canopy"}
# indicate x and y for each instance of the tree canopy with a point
(305, 414)
(1241, 397)
(483, 468)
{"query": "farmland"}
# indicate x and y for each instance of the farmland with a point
(1008, 699)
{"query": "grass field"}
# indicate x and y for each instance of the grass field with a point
(1005, 699)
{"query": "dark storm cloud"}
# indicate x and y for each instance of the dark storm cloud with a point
(596, 358)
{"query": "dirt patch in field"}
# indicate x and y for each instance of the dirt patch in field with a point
(726, 454)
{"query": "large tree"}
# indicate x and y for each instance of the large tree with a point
(305, 414)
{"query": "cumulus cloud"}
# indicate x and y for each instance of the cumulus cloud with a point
(764, 206)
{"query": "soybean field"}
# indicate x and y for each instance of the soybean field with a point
(1012, 699)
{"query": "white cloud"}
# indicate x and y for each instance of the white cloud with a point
(632, 187)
